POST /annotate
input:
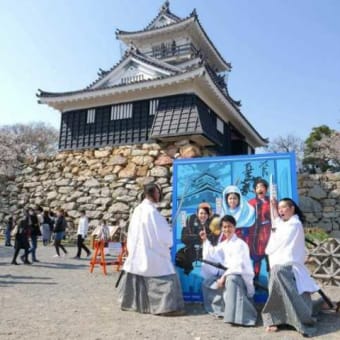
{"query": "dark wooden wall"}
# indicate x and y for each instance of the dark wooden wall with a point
(184, 114)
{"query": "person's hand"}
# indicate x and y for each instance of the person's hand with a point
(203, 235)
(273, 201)
(220, 282)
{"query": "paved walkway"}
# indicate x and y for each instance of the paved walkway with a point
(59, 298)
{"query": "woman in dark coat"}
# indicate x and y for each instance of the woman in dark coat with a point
(59, 230)
(21, 240)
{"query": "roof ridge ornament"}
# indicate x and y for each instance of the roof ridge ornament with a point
(165, 7)
(194, 13)
(131, 49)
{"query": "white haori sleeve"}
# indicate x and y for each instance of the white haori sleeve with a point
(148, 243)
(287, 246)
(235, 256)
(287, 243)
(304, 282)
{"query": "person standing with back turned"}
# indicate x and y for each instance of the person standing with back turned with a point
(150, 284)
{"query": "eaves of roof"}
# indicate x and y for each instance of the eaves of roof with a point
(193, 18)
(192, 73)
(196, 72)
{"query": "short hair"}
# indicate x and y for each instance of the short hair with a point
(262, 181)
(149, 189)
(228, 218)
(83, 211)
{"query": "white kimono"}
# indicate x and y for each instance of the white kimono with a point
(287, 246)
(236, 258)
(148, 243)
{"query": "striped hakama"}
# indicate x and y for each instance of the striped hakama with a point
(230, 302)
(154, 295)
(284, 305)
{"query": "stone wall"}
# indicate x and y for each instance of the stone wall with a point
(319, 197)
(107, 184)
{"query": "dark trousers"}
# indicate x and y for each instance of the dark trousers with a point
(16, 253)
(57, 245)
(81, 245)
(34, 239)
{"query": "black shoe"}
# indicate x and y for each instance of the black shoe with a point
(27, 262)
(15, 262)
(22, 258)
(35, 260)
(88, 254)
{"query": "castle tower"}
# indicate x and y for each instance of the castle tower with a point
(169, 85)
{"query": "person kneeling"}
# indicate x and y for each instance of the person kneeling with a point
(230, 295)
(150, 283)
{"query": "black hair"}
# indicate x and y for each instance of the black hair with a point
(206, 209)
(235, 193)
(262, 181)
(297, 210)
(228, 218)
(149, 190)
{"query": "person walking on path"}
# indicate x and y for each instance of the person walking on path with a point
(35, 233)
(59, 229)
(46, 227)
(9, 227)
(21, 234)
(83, 226)
(150, 284)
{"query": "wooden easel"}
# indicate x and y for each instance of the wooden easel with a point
(121, 257)
(99, 255)
(98, 252)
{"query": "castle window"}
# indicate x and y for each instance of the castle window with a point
(121, 111)
(91, 116)
(219, 125)
(153, 107)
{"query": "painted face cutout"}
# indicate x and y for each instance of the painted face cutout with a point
(260, 189)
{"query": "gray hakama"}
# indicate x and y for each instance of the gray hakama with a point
(154, 295)
(230, 302)
(285, 306)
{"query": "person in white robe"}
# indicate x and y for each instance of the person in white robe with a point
(229, 294)
(290, 285)
(150, 283)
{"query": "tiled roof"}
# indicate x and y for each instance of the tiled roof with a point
(176, 118)
(103, 73)
(121, 32)
(192, 17)
(164, 11)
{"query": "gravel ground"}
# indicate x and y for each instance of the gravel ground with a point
(58, 298)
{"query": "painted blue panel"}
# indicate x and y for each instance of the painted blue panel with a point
(204, 180)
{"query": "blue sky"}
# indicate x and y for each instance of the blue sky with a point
(285, 54)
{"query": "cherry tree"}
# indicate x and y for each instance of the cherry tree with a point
(20, 141)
